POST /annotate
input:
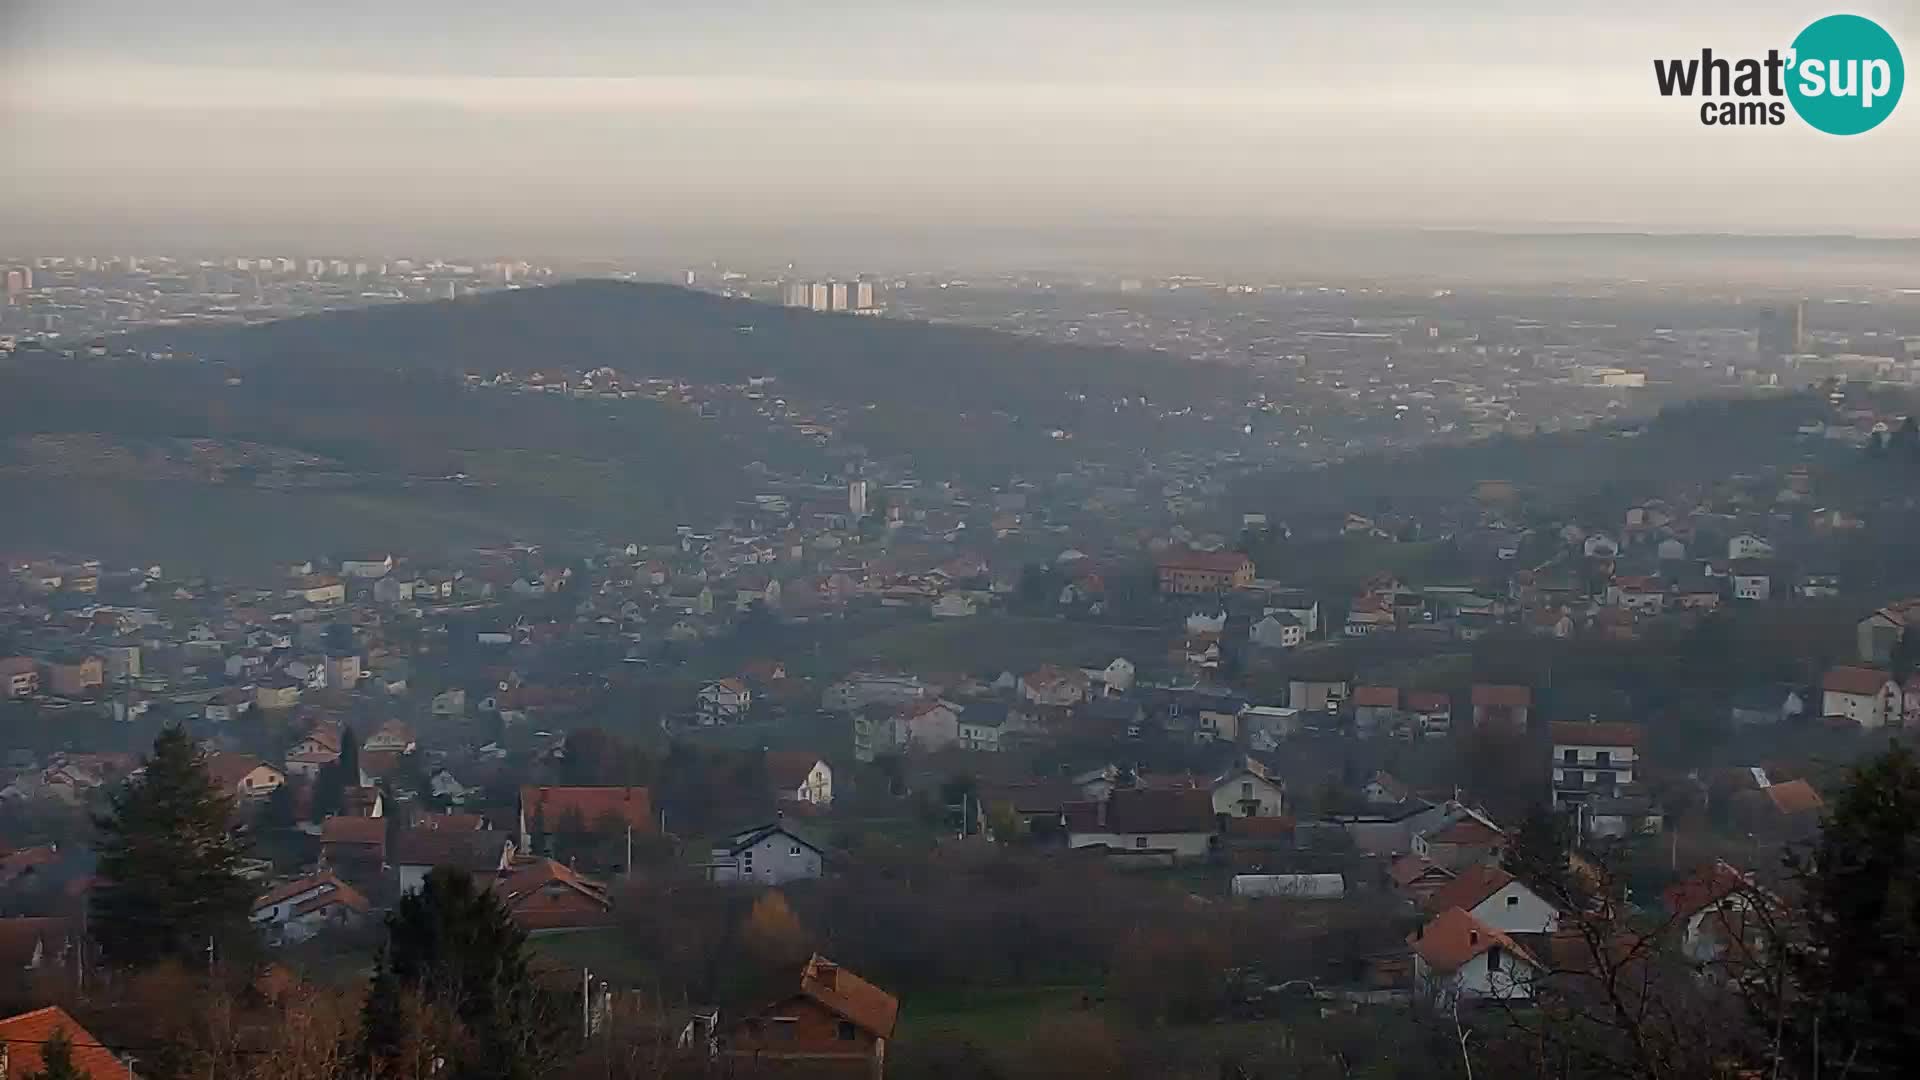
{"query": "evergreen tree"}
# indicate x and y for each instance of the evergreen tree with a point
(1858, 971)
(169, 858)
(454, 944)
(281, 812)
(349, 758)
(383, 1020)
(1538, 854)
(56, 1059)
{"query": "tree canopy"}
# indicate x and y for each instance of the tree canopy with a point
(169, 853)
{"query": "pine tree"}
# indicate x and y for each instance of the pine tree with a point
(383, 1020)
(169, 857)
(454, 944)
(349, 758)
(1859, 969)
(56, 1059)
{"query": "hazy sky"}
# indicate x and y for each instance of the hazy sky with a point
(580, 115)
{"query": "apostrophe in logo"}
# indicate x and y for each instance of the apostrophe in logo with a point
(1846, 75)
(1843, 75)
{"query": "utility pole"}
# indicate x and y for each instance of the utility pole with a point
(586, 1005)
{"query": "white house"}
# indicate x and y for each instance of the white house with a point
(1752, 583)
(1592, 759)
(367, 569)
(981, 726)
(1497, 899)
(1867, 696)
(723, 702)
(1049, 685)
(1118, 677)
(1279, 631)
(1249, 791)
(929, 725)
(300, 909)
(769, 854)
(1202, 622)
(800, 776)
(1178, 823)
(1748, 546)
(1456, 957)
(1711, 906)
(1600, 546)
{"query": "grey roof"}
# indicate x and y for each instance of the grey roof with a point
(748, 837)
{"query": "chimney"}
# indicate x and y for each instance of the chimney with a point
(1100, 812)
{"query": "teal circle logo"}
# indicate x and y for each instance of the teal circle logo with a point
(1846, 75)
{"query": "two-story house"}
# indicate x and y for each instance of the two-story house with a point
(768, 854)
(800, 776)
(1867, 696)
(1592, 759)
(834, 1024)
(723, 701)
(1248, 791)
(1501, 708)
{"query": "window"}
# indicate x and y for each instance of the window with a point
(1494, 956)
(845, 1032)
(794, 850)
(1513, 901)
(783, 1028)
(1140, 841)
(1570, 756)
(1604, 759)
(1246, 790)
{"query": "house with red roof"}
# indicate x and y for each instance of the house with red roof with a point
(1417, 877)
(1865, 696)
(1714, 910)
(834, 1023)
(1456, 956)
(26, 1035)
(356, 846)
(243, 775)
(1178, 822)
(543, 809)
(800, 776)
(1497, 899)
(1592, 760)
(1185, 572)
(540, 894)
(1501, 708)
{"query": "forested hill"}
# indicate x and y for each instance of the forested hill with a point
(666, 331)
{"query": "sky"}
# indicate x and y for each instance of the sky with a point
(582, 121)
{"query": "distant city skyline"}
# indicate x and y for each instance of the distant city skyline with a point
(595, 122)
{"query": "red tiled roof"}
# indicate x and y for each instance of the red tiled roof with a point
(1708, 886)
(1429, 701)
(1579, 733)
(227, 770)
(1507, 696)
(1385, 697)
(850, 997)
(26, 1034)
(1470, 889)
(1160, 811)
(1854, 680)
(367, 831)
(1795, 797)
(1468, 831)
(632, 805)
(788, 769)
(1410, 868)
(1454, 937)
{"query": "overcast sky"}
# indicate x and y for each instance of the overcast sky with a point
(572, 115)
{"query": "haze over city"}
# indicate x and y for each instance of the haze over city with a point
(578, 126)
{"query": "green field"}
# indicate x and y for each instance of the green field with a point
(987, 1018)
